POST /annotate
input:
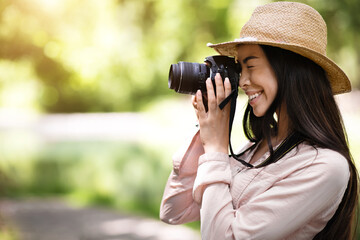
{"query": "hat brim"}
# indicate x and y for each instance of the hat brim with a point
(339, 81)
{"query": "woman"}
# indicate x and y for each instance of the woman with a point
(295, 178)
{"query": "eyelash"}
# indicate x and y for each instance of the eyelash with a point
(250, 66)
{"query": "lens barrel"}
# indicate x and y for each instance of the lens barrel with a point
(186, 77)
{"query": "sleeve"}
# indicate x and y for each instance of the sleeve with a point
(177, 205)
(312, 192)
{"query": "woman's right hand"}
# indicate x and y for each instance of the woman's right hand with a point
(214, 122)
(194, 103)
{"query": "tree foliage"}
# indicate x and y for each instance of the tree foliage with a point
(88, 55)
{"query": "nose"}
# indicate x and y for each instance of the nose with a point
(244, 80)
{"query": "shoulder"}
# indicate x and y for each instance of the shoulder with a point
(306, 161)
(333, 164)
(322, 157)
(326, 164)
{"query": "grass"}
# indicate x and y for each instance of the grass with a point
(6, 232)
(127, 176)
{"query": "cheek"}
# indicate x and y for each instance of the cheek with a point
(272, 84)
(273, 89)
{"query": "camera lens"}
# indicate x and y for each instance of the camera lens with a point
(186, 77)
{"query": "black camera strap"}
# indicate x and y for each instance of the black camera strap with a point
(233, 96)
(286, 146)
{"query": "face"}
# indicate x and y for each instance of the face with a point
(257, 78)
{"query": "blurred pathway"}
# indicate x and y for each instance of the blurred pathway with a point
(52, 219)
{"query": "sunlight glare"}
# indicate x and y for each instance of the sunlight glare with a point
(50, 5)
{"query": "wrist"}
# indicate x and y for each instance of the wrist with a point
(213, 149)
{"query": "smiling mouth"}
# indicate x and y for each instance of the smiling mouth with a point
(253, 96)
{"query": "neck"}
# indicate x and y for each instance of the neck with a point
(283, 126)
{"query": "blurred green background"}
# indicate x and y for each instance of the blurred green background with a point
(85, 111)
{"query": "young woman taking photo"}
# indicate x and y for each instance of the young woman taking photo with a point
(295, 178)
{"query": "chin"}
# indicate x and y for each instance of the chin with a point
(258, 114)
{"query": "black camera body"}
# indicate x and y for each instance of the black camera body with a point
(187, 78)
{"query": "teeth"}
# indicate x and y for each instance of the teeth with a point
(251, 97)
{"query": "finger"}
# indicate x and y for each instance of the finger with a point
(227, 86)
(193, 101)
(196, 113)
(220, 94)
(210, 94)
(200, 105)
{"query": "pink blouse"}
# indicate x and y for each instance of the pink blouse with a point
(293, 198)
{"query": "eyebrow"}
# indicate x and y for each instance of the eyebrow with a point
(249, 58)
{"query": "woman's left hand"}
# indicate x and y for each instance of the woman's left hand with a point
(214, 124)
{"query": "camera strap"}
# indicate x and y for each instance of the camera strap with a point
(233, 96)
(287, 145)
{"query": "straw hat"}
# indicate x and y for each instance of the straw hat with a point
(293, 26)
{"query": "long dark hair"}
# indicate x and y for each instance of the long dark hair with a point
(313, 113)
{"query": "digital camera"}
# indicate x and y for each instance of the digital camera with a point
(187, 77)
